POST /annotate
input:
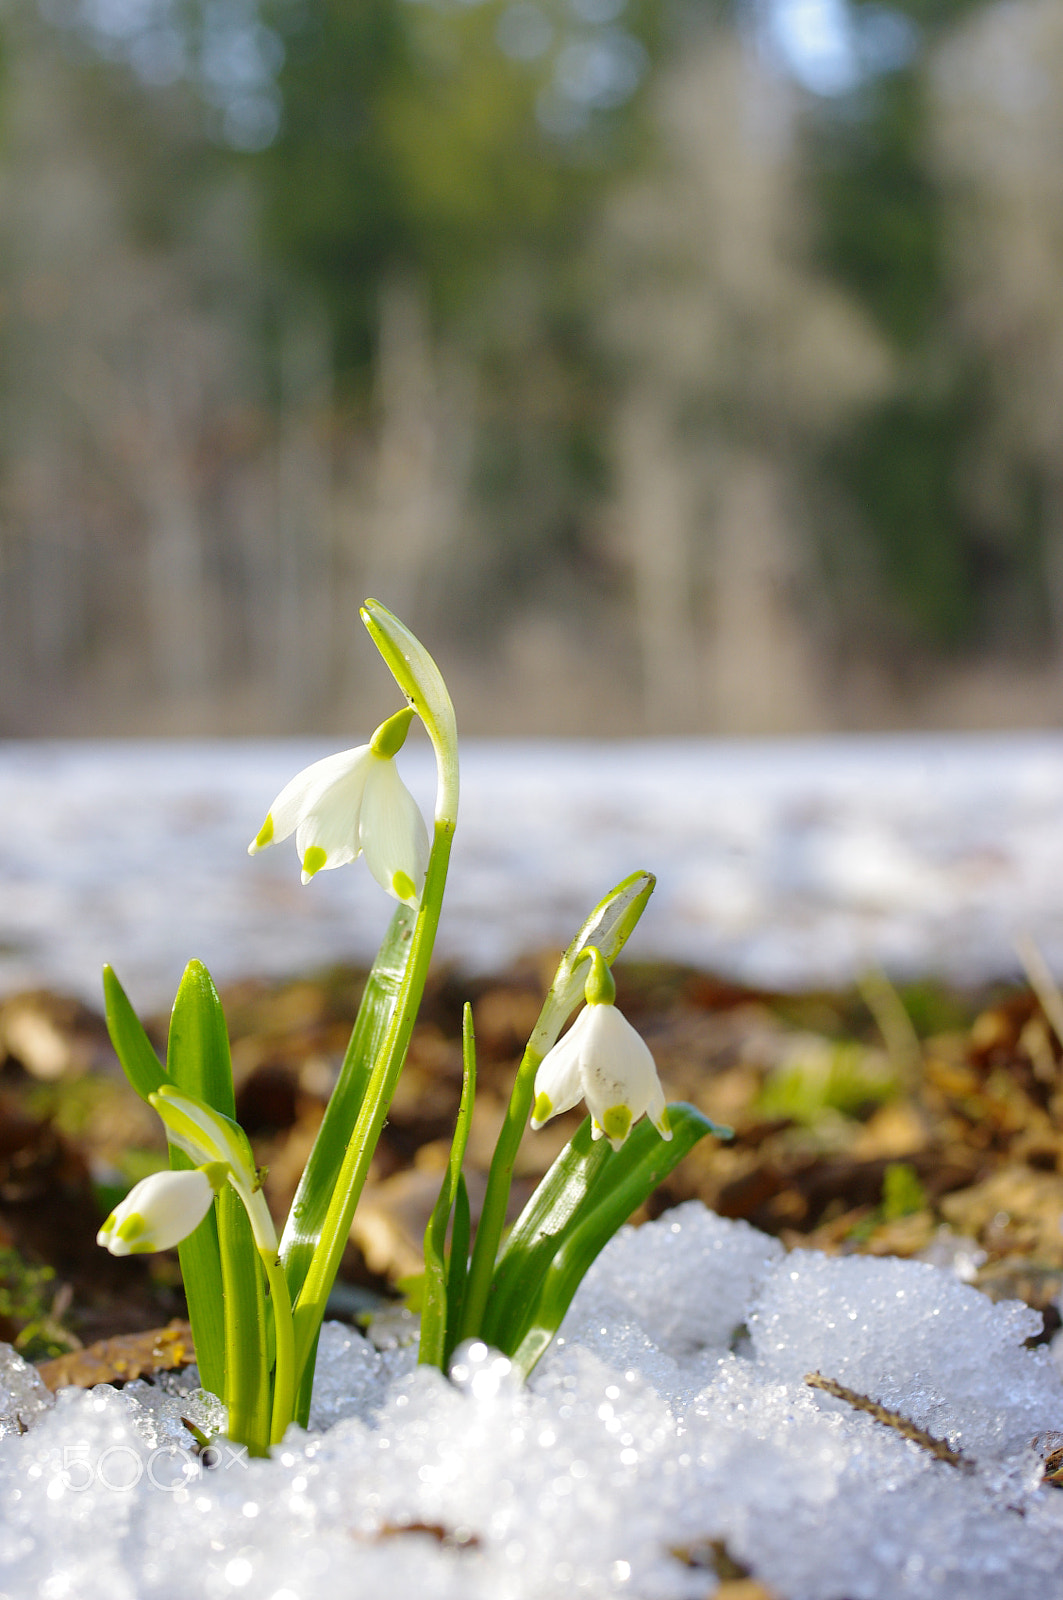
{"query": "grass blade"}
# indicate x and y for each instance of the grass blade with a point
(437, 1281)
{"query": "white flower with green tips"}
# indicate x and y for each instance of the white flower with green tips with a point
(160, 1211)
(602, 1060)
(351, 804)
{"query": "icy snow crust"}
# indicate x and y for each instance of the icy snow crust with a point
(672, 1411)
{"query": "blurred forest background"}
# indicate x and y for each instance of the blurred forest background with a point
(671, 365)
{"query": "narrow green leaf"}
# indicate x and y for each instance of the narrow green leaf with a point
(197, 1049)
(458, 1266)
(131, 1044)
(434, 1317)
(353, 1172)
(198, 1061)
(536, 1235)
(584, 1209)
(310, 1206)
(200, 1260)
(247, 1332)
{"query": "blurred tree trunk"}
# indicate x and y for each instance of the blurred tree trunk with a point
(654, 496)
(423, 446)
(304, 516)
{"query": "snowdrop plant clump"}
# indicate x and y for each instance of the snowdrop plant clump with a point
(256, 1301)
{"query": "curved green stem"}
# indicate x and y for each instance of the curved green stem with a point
(422, 683)
(350, 1181)
(284, 1371)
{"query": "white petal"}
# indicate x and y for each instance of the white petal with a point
(157, 1213)
(303, 793)
(618, 1069)
(331, 822)
(392, 832)
(560, 1078)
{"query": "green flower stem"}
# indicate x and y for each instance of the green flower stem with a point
(605, 931)
(310, 1307)
(422, 683)
(499, 1181)
(284, 1371)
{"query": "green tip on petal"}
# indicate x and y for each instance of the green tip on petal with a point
(390, 737)
(664, 1124)
(263, 837)
(403, 886)
(543, 1110)
(130, 1227)
(313, 861)
(616, 1124)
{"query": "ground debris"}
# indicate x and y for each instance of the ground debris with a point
(854, 1133)
(712, 1555)
(119, 1360)
(890, 1419)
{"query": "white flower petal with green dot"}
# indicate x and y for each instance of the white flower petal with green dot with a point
(157, 1213)
(354, 803)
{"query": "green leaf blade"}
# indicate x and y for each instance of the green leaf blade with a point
(246, 1327)
(437, 1311)
(197, 1049)
(131, 1044)
(198, 1061)
(379, 999)
(590, 1204)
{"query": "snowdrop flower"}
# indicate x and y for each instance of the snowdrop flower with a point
(217, 1145)
(160, 1211)
(602, 1060)
(352, 803)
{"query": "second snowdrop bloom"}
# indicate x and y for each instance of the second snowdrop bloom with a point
(351, 804)
(160, 1211)
(602, 1060)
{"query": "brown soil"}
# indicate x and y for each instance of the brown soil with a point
(875, 1121)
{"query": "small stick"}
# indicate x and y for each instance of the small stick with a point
(1041, 981)
(903, 1050)
(890, 1419)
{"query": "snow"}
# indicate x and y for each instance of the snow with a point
(671, 1411)
(786, 863)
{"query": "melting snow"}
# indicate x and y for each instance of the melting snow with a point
(671, 1412)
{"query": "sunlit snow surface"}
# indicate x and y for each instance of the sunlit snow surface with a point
(788, 863)
(672, 1412)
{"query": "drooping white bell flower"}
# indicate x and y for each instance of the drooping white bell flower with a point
(158, 1212)
(354, 803)
(602, 1060)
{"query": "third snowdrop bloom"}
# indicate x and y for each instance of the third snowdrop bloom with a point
(352, 803)
(602, 1060)
(159, 1212)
